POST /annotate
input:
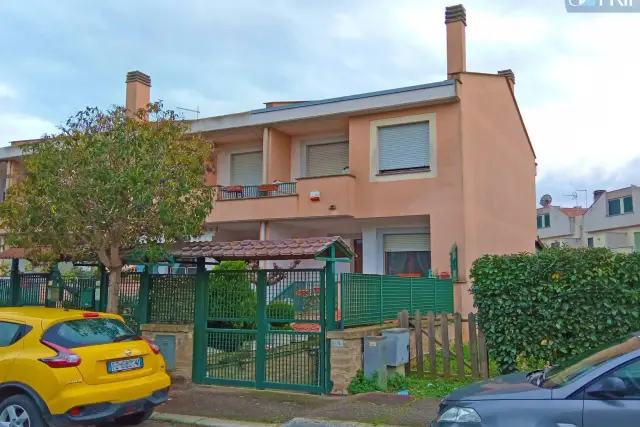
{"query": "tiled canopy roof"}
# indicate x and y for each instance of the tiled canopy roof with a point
(307, 248)
(287, 249)
(12, 253)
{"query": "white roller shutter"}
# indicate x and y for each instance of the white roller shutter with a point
(407, 242)
(327, 159)
(246, 168)
(404, 146)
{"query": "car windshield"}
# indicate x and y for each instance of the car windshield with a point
(87, 332)
(576, 367)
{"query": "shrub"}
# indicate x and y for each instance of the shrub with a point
(555, 304)
(281, 311)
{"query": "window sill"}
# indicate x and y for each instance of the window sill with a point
(620, 214)
(404, 171)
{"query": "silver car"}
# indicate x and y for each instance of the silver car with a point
(598, 388)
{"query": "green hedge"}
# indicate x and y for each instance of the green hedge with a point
(555, 304)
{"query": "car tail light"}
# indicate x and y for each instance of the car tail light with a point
(64, 359)
(90, 315)
(154, 347)
(75, 411)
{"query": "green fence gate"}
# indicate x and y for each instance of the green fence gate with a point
(254, 334)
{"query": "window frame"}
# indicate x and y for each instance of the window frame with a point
(590, 242)
(620, 201)
(607, 374)
(374, 149)
(21, 332)
(543, 220)
(304, 166)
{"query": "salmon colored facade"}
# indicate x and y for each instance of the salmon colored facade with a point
(335, 168)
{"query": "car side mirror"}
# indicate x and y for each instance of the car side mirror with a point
(609, 387)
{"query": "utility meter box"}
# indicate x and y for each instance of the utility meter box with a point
(397, 346)
(375, 355)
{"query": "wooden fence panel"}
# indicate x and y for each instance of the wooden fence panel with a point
(478, 365)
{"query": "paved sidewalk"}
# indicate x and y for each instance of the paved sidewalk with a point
(227, 404)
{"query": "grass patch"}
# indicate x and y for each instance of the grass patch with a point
(420, 387)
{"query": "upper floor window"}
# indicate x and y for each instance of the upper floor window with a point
(327, 159)
(544, 221)
(620, 205)
(246, 168)
(404, 148)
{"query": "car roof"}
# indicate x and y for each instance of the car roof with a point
(30, 314)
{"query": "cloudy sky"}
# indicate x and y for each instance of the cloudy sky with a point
(576, 74)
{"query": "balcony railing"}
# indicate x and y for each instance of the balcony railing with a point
(233, 192)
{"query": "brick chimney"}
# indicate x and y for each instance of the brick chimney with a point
(455, 17)
(511, 78)
(138, 91)
(597, 194)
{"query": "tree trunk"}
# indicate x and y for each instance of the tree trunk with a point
(115, 275)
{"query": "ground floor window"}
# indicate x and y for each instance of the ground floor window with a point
(407, 254)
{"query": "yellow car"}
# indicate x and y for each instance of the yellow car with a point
(63, 367)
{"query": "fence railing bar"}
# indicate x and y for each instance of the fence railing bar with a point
(444, 326)
(484, 364)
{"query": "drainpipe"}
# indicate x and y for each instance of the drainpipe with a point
(263, 236)
(265, 155)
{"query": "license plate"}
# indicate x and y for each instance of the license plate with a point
(124, 365)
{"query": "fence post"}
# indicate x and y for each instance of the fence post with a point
(419, 352)
(403, 322)
(261, 317)
(411, 310)
(382, 305)
(15, 281)
(459, 354)
(200, 322)
(104, 288)
(143, 297)
(473, 345)
(330, 299)
(444, 327)
(482, 349)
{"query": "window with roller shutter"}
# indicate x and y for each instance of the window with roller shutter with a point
(246, 168)
(404, 147)
(407, 254)
(327, 159)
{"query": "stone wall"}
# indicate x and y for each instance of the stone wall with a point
(184, 346)
(346, 353)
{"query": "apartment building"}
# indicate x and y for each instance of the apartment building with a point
(610, 222)
(401, 174)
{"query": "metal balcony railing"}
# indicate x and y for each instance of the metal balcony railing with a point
(233, 192)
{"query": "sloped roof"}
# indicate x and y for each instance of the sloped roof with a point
(11, 253)
(572, 212)
(306, 248)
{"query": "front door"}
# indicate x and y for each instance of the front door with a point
(619, 410)
(357, 262)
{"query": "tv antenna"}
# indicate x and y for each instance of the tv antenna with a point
(574, 196)
(197, 111)
(545, 200)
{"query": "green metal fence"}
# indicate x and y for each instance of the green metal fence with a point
(172, 298)
(367, 299)
(264, 329)
(33, 288)
(129, 299)
(77, 293)
(5, 291)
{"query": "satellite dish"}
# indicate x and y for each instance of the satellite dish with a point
(545, 201)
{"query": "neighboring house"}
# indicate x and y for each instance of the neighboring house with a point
(613, 220)
(401, 174)
(558, 226)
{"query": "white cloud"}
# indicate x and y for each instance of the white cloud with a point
(14, 127)
(7, 92)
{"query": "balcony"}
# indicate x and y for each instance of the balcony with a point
(287, 200)
(255, 191)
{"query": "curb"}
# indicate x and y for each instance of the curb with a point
(194, 420)
(204, 421)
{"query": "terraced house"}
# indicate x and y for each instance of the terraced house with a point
(401, 174)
